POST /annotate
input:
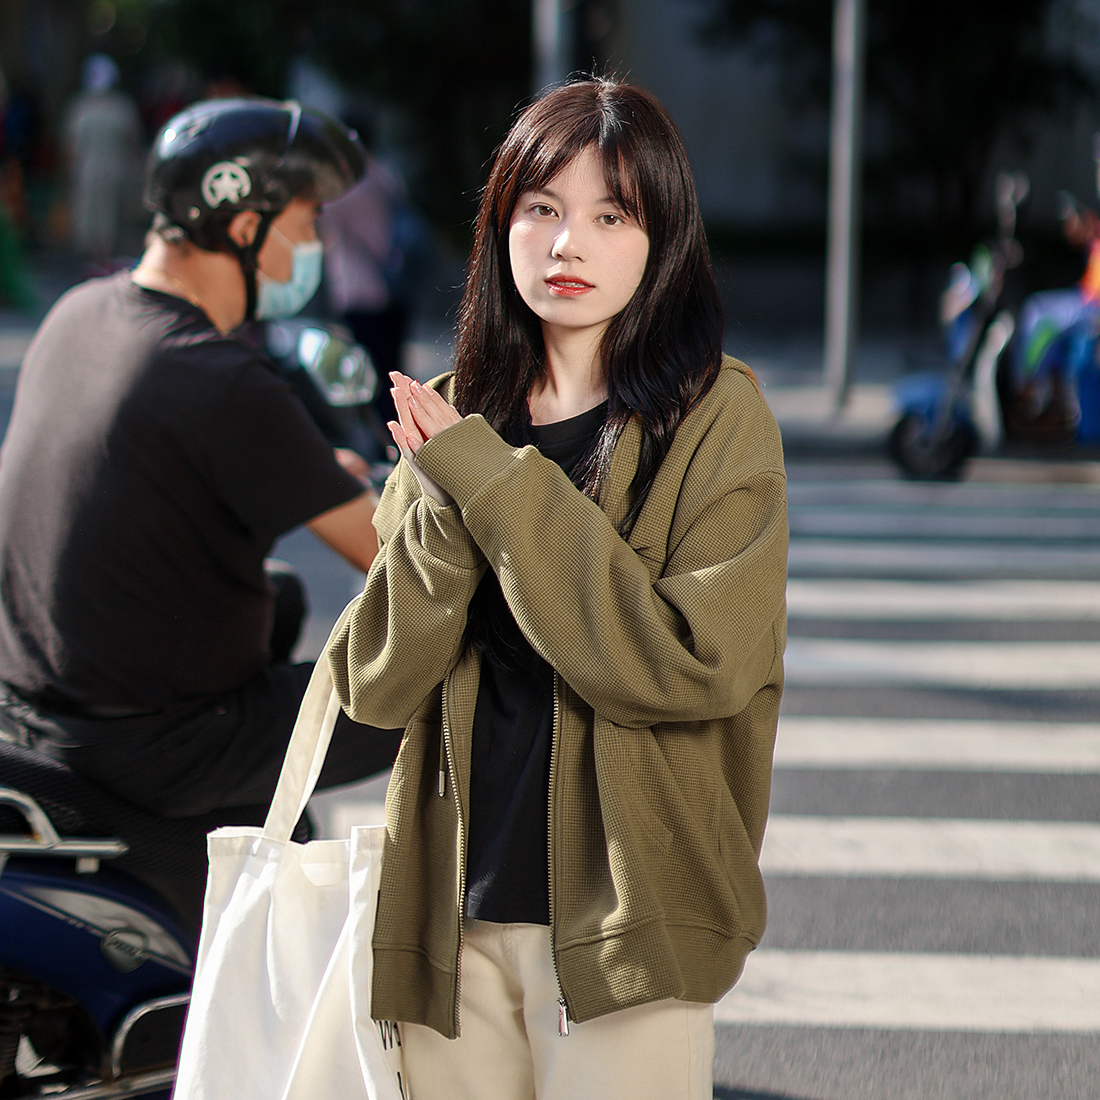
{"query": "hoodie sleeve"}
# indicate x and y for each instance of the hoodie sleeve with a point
(405, 629)
(682, 622)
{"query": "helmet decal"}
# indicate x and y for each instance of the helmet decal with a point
(225, 182)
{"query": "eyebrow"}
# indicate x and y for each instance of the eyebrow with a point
(551, 194)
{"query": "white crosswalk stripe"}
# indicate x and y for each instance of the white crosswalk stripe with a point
(1016, 564)
(891, 559)
(1005, 851)
(1007, 666)
(990, 600)
(935, 744)
(917, 991)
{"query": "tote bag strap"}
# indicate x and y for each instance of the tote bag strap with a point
(309, 741)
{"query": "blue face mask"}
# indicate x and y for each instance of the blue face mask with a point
(274, 300)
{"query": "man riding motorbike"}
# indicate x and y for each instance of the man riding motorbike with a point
(153, 457)
(1057, 329)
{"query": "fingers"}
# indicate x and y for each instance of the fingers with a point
(428, 412)
(414, 438)
(398, 434)
(436, 410)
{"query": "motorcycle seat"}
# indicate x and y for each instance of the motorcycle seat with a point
(166, 854)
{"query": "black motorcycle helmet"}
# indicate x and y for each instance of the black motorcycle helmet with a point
(222, 156)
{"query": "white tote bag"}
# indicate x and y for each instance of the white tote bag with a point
(280, 1004)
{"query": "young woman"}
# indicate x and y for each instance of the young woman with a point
(577, 614)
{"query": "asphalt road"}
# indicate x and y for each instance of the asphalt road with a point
(933, 856)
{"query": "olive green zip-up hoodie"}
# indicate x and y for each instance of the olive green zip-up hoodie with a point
(668, 651)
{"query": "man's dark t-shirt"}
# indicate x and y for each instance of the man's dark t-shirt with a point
(149, 466)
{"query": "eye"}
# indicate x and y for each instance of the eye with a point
(541, 210)
(612, 219)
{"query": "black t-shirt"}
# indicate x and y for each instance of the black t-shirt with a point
(149, 466)
(507, 861)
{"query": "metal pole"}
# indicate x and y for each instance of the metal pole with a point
(548, 42)
(845, 162)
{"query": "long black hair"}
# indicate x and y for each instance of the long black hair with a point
(662, 352)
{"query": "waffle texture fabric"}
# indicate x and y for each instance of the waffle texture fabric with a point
(667, 648)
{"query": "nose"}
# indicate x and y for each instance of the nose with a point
(569, 243)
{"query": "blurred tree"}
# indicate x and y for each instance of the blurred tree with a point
(245, 45)
(453, 71)
(448, 72)
(945, 82)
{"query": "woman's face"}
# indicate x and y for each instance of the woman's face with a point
(576, 256)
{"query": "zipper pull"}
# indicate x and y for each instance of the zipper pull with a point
(442, 782)
(563, 1019)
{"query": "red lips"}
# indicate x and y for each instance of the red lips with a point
(568, 285)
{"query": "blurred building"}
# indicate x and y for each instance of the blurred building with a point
(746, 148)
(750, 152)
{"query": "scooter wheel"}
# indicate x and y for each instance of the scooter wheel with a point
(928, 457)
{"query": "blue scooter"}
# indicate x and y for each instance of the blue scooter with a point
(98, 909)
(944, 419)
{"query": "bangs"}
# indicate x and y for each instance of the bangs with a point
(539, 149)
(621, 176)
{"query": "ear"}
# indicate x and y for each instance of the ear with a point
(242, 229)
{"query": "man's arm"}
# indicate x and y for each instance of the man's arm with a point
(349, 530)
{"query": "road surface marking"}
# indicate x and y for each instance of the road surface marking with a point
(922, 523)
(905, 847)
(915, 991)
(1030, 666)
(994, 601)
(954, 559)
(938, 745)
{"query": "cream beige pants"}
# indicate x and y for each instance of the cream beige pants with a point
(510, 1047)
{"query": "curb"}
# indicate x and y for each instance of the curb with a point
(812, 427)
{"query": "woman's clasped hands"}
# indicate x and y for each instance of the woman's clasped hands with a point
(421, 414)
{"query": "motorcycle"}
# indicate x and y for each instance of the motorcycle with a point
(335, 379)
(95, 961)
(945, 419)
(101, 902)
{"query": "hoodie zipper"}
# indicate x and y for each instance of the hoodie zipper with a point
(563, 1008)
(445, 767)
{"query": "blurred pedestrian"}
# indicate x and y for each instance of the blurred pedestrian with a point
(14, 289)
(375, 247)
(577, 614)
(102, 141)
(1057, 328)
